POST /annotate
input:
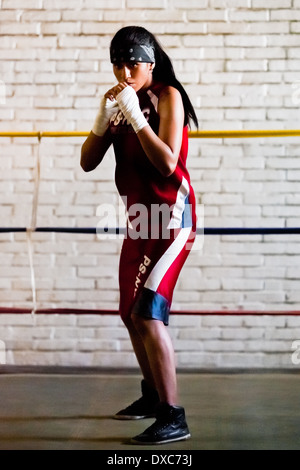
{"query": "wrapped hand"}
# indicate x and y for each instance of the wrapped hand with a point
(129, 105)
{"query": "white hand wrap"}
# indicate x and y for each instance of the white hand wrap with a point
(107, 109)
(130, 107)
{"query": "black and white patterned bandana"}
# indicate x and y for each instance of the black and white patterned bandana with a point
(132, 53)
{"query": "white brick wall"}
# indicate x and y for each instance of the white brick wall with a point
(239, 61)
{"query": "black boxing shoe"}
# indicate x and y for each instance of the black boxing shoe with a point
(144, 407)
(170, 426)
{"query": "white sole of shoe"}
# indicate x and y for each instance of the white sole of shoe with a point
(132, 418)
(175, 439)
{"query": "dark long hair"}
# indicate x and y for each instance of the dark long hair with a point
(163, 70)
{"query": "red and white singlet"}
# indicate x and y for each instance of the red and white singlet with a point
(161, 217)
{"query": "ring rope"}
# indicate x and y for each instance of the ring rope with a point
(202, 231)
(240, 133)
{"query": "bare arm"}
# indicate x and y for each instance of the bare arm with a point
(93, 150)
(163, 149)
(99, 139)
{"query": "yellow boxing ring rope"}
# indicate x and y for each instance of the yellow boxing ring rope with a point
(240, 133)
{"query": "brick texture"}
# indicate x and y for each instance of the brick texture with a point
(240, 64)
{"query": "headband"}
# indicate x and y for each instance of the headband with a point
(132, 53)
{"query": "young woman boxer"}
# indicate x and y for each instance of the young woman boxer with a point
(145, 116)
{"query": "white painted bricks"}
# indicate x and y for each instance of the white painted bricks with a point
(240, 63)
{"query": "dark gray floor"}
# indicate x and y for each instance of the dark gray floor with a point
(72, 410)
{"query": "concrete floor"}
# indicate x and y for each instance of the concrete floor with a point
(71, 410)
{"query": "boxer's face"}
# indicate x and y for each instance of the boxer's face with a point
(136, 74)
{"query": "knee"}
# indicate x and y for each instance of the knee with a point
(128, 322)
(135, 324)
(140, 324)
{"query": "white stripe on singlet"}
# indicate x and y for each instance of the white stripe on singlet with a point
(179, 206)
(164, 263)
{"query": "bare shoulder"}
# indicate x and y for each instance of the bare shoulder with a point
(169, 99)
(169, 93)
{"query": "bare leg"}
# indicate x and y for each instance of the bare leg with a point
(140, 352)
(158, 355)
